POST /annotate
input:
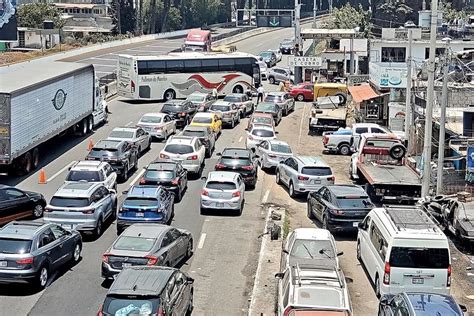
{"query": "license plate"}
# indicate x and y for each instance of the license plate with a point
(140, 214)
(67, 226)
(220, 204)
(317, 181)
(417, 281)
(3, 263)
(355, 224)
(126, 265)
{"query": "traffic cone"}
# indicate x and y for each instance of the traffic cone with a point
(42, 177)
(90, 145)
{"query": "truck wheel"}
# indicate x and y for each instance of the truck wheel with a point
(90, 124)
(344, 149)
(271, 80)
(342, 97)
(300, 97)
(35, 155)
(27, 163)
(238, 89)
(83, 127)
(169, 95)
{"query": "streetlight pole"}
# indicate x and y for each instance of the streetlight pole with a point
(408, 114)
(425, 188)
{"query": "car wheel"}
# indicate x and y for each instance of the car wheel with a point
(189, 249)
(377, 286)
(271, 80)
(165, 136)
(344, 149)
(98, 228)
(233, 123)
(277, 177)
(325, 222)
(358, 251)
(125, 173)
(90, 124)
(189, 311)
(35, 155)
(38, 211)
(291, 190)
(300, 97)
(43, 277)
(140, 152)
(76, 254)
(310, 213)
(179, 196)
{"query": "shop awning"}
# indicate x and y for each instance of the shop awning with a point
(362, 92)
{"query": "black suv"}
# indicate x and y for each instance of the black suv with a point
(139, 290)
(121, 155)
(181, 111)
(17, 204)
(205, 135)
(167, 173)
(239, 160)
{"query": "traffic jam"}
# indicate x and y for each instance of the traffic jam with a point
(201, 95)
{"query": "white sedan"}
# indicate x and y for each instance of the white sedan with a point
(158, 125)
(278, 54)
(258, 133)
(271, 152)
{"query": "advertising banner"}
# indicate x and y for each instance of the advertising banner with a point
(387, 76)
(8, 24)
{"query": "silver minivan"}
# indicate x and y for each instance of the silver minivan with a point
(303, 174)
(82, 206)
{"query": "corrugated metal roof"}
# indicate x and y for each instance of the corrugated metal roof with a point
(19, 76)
(362, 93)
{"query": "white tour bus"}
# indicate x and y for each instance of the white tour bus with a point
(177, 75)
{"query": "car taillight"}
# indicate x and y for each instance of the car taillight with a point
(151, 260)
(161, 312)
(386, 274)
(28, 260)
(132, 86)
(325, 140)
(193, 157)
(99, 312)
(205, 192)
(175, 181)
(219, 166)
(236, 194)
(303, 178)
(142, 181)
(247, 167)
(89, 211)
(182, 114)
(164, 156)
(448, 281)
(157, 128)
(272, 156)
(287, 311)
(332, 178)
(105, 257)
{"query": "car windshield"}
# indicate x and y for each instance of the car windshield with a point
(353, 202)
(195, 98)
(221, 185)
(14, 246)
(194, 133)
(419, 257)
(309, 248)
(130, 306)
(151, 119)
(266, 107)
(202, 119)
(221, 108)
(84, 175)
(159, 174)
(317, 171)
(134, 243)
(231, 98)
(171, 108)
(262, 120)
(122, 134)
(263, 133)
(280, 148)
(140, 201)
(179, 149)
(59, 201)
(100, 152)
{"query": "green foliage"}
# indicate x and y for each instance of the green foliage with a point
(128, 16)
(348, 17)
(450, 13)
(174, 19)
(33, 14)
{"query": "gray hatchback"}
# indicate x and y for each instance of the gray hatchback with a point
(30, 251)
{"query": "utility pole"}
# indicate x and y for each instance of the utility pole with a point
(298, 70)
(315, 9)
(408, 113)
(442, 121)
(425, 188)
(351, 54)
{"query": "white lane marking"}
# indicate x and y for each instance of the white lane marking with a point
(129, 123)
(138, 176)
(240, 139)
(61, 171)
(301, 123)
(265, 197)
(202, 239)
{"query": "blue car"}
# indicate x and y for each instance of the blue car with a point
(146, 204)
(419, 304)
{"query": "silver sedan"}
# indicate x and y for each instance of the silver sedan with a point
(159, 125)
(223, 190)
(271, 152)
(135, 135)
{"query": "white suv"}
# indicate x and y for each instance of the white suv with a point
(189, 151)
(93, 171)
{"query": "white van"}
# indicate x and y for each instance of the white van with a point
(403, 250)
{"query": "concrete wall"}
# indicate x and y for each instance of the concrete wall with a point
(458, 97)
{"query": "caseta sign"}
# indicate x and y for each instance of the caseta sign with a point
(304, 61)
(387, 77)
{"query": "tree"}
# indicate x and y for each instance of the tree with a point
(450, 13)
(174, 19)
(33, 14)
(348, 17)
(124, 16)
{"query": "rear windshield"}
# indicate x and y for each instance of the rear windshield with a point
(124, 306)
(279, 148)
(159, 174)
(144, 202)
(171, 108)
(232, 99)
(151, 119)
(202, 119)
(179, 149)
(195, 98)
(317, 171)
(427, 258)
(89, 176)
(69, 202)
(134, 243)
(235, 161)
(194, 133)
(263, 133)
(122, 134)
(264, 120)
(265, 107)
(100, 152)
(216, 185)
(221, 108)
(352, 203)
(15, 246)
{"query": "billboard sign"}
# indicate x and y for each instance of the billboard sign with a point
(387, 76)
(304, 61)
(274, 21)
(8, 24)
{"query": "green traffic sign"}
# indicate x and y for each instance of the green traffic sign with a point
(274, 21)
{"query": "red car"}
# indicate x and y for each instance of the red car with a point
(303, 91)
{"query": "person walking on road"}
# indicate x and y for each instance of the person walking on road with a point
(214, 93)
(260, 92)
(281, 86)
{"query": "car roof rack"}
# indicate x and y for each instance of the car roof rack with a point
(409, 217)
(297, 267)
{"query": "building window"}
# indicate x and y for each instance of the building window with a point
(439, 52)
(393, 54)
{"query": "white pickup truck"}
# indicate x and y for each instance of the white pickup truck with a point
(344, 140)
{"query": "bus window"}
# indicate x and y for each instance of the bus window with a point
(210, 65)
(174, 66)
(227, 64)
(142, 67)
(193, 65)
(156, 66)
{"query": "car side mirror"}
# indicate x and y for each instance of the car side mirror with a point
(276, 132)
(279, 275)
(361, 225)
(219, 154)
(125, 192)
(190, 280)
(285, 251)
(463, 308)
(203, 178)
(112, 191)
(384, 300)
(340, 253)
